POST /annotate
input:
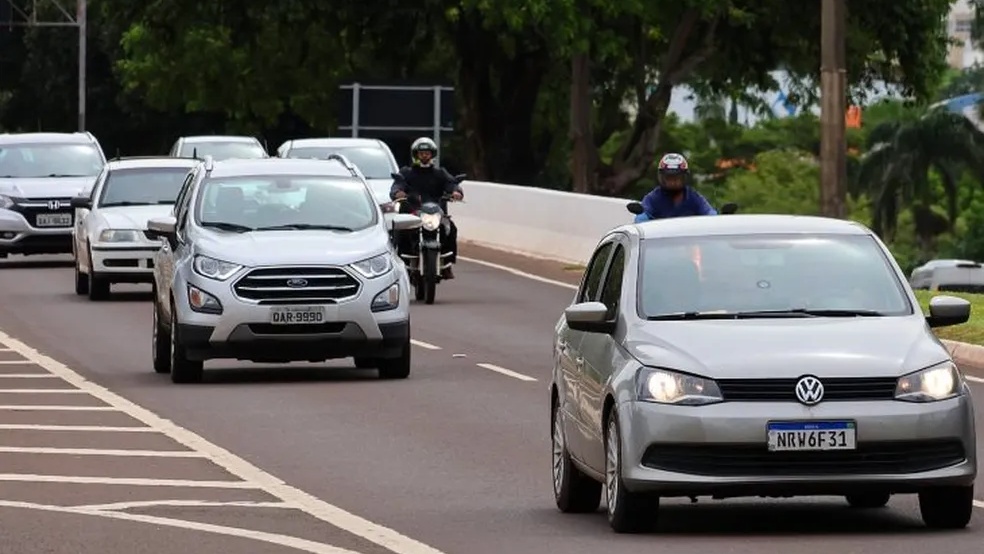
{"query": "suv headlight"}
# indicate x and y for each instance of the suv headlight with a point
(430, 221)
(215, 269)
(374, 266)
(120, 235)
(938, 382)
(669, 387)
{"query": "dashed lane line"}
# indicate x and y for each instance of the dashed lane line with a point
(252, 476)
(506, 372)
(52, 408)
(519, 273)
(185, 503)
(973, 379)
(79, 428)
(42, 391)
(15, 362)
(101, 452)
(28, 375)
(425, 345)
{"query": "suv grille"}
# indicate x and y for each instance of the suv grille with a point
(288, 285)
(784, 390)
(33, 207)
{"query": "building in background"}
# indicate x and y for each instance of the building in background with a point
(959, 25)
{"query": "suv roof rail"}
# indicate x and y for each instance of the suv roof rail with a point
(351, 167)
(119, 158)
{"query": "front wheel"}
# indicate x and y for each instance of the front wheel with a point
(628, 512)
(395, 368)
(947, 507)
(429, 276)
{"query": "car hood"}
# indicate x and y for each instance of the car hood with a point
(293, 247)
(47, 187)
(133, 217)
(777, 348)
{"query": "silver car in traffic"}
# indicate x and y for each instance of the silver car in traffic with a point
(756, 355)
(274, 260)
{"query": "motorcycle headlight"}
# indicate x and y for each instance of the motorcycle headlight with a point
(120, 235)
(215, 269)
(934, 383)
(374, 266)
(430, 221)
(669, 387)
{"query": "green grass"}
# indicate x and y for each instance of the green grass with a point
(971, 332)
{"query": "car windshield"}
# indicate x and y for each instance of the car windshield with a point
(143, 186)
(36, 160)
(223, 150)
(285, 202)
(804, 275)
(373, 162)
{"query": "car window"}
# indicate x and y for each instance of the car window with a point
(768, 272)
(181, 203)
(285, 201)
(373, 162)
(223, 150)
(142, 186)
(612, 291)
(591, 282)
(36, 160)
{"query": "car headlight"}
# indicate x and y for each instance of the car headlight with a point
(215, 269)
(120, 235)
(430, 221)
(669, 387)
(374, 266)
(389, 299)
(938, 382)
(6, 202)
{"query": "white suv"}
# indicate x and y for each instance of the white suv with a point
(277, 260)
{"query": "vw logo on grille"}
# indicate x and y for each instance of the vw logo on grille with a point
(297, 283)
(54, 204)
(809, 390)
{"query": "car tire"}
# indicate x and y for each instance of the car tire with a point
(574, 492)
(98, 287)
(868, 500)
(81, 281)
(628, 512)
(183, 370)
(160, 341)
(395, 368)
(947, 507)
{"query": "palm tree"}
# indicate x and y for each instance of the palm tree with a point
(896, 169)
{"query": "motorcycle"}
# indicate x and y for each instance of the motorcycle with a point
(637, 209)
(425, 259)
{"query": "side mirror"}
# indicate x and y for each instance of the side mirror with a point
(404, 222)
(590, 317)
(460, 177)
(81, 202)
(729, 208)
(396, 175)
(947, 310)
(163, 228)
(635, 207)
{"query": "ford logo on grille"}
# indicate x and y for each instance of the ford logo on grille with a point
(54, 204)
(297, 283)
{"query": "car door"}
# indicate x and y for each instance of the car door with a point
(165, 257)
(569, 355)
(80, 232)
(601, 356)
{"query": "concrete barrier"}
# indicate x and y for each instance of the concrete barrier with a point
(545, 223)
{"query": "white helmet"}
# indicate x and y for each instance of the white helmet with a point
(422, 144)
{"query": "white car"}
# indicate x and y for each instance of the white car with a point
(957, 274)
(372, 156)
(109, 239)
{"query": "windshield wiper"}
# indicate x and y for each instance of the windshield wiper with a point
(226, 226)
(836, 312)
(692, 316)
(305, 227)
(64, 175)
(755, 314)
(121, 203)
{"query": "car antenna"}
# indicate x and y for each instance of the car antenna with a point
(194, 153)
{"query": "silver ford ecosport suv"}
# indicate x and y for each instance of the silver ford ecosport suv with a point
(278, 260)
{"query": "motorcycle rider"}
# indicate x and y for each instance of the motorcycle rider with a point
(425, 181)
(673, 196)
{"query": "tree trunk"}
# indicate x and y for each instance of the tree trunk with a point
(583, 159)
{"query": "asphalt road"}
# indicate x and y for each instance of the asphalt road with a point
(457, 457)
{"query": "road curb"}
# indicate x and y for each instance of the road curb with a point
(965, 353)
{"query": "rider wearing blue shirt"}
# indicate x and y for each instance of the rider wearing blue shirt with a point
(673, 197)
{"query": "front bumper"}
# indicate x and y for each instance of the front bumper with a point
(17, 236)
(130, 263)
(722, 450)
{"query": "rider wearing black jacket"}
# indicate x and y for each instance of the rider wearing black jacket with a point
(425, 181)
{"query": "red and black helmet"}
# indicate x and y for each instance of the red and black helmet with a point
(673, 164)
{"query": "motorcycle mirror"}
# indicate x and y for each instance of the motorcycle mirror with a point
(460, 177)
(635, 207)
(729, 208)
(396, 175)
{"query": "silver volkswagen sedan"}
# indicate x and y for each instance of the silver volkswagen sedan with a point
(756, 355)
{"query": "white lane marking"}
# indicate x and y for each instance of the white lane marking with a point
(42, 391)
(423, 344)
(519, 273)
(57, 408)
(80, 428)
(506, 372)
(15, 362)
(127, 481)
(28, 376)
(973, 379)
(101, 452)
(979, 504)
(253, 476)
(184, 503)
(272, 538)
